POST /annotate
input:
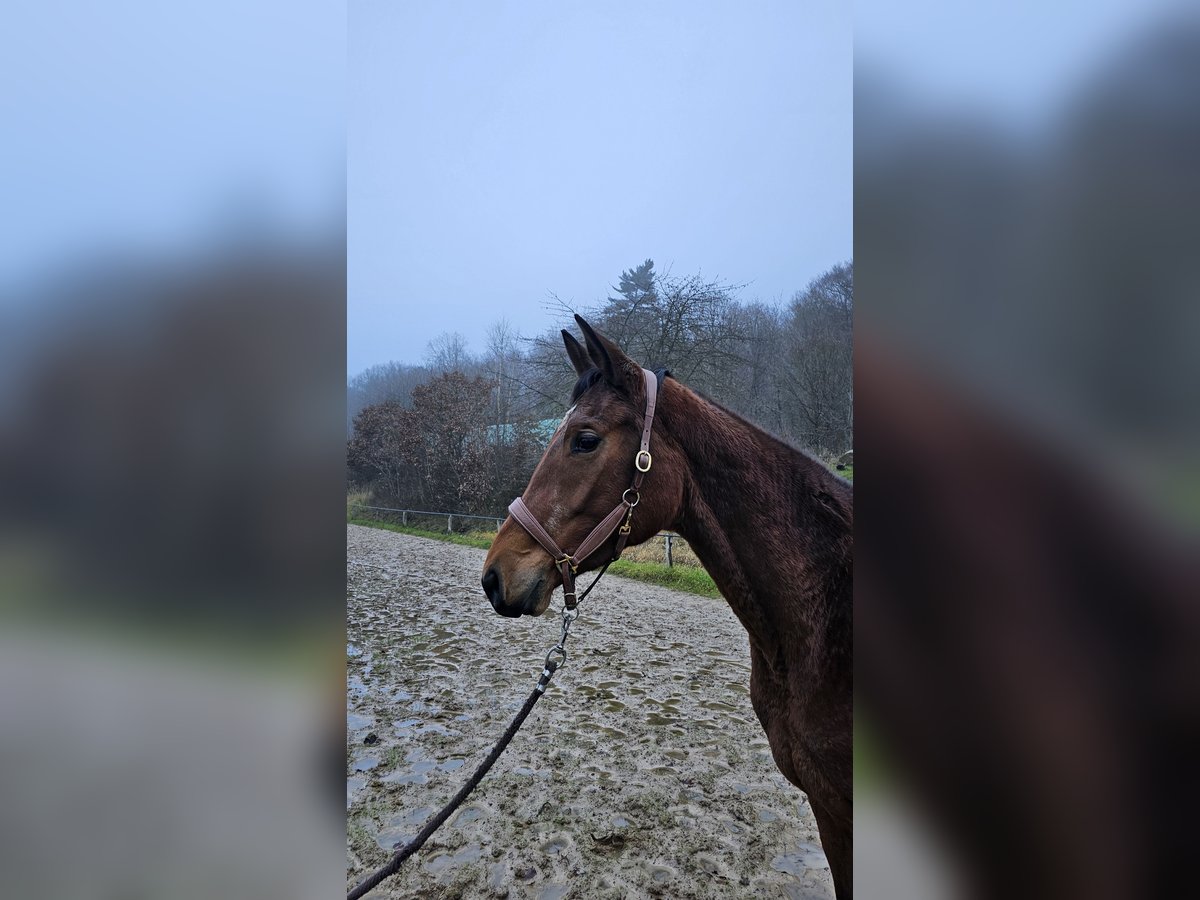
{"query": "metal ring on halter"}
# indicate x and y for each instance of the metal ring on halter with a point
(637, 497)
(557, 651)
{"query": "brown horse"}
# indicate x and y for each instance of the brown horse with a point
(771, 525)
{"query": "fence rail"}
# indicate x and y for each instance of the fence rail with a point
(668, 536)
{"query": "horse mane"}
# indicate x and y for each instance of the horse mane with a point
(780, 443)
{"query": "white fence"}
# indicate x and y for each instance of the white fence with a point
(463, 518)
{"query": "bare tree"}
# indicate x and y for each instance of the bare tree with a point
(818, 380)
(448, 353)
(500, 362)
(688, 324)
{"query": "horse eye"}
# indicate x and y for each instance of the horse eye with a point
(585, 442)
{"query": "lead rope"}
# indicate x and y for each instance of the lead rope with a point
(555, 659)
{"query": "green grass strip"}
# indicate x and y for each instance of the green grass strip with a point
(681, 578)
(466, 540)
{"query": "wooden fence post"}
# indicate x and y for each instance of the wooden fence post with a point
(404, 516)
(667, 538)
(449, 524)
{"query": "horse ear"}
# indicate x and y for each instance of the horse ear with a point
(618, 369)
(579, 357)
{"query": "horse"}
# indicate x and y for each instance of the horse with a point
(771, 525)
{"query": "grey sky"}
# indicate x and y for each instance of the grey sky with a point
(501, 151)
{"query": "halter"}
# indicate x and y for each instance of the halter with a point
(568, 564)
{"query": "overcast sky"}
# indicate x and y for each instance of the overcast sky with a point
(500, 152)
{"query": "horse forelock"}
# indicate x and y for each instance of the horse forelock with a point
(586, 380)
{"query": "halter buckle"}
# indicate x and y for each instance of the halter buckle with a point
(626, 525)
(637, 461)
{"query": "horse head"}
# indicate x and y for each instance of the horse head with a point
(584, 476)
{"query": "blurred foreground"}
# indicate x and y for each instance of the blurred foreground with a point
(172, 288)
(1027, 621)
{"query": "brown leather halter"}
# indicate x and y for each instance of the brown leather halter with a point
(568, 564)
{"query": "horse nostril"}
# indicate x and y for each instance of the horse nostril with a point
(491, 586)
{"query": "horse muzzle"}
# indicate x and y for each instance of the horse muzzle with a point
(522, 603)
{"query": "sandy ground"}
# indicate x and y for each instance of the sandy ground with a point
(642, 772)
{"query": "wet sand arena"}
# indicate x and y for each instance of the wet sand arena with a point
(642, 772)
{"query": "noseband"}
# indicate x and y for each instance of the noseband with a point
(568, 564)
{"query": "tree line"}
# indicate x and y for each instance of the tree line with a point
(463, 431)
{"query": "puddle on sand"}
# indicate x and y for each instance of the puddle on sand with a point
(415, 773)
(356, 722)
(353, 786)
(498, 878)
(443, 861)
(661, 874)
(365, 763)
(767, 815)
(615, 733)
(706, 862)
(470, 814)
(800, 860)
(420, 726)
(402, 828)
(656, 720)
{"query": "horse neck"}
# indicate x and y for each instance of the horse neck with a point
(770, 524)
